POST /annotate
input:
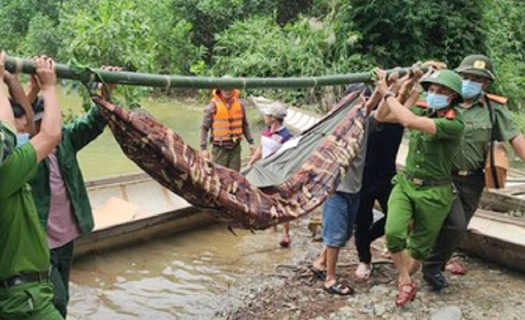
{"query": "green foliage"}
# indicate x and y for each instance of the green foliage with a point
(402, 32)
(137, 35)
(15, 18)
(211, 17)
(42, 37)
(270, 37)
(110, 33)
(518, 118)
(504, 24)
(259, 47)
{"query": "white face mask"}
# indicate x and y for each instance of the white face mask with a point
(21, 139)
(470, 88)
(437, 101)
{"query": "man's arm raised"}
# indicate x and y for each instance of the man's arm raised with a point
(6, 112)
(51, 128)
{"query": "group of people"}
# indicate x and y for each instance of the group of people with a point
(44, 205)
(451, 119)
(450, 116)
(224, 124)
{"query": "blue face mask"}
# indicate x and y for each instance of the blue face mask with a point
(21, 139)
(437, 101)
(470, 89)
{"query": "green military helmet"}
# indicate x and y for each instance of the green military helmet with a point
(477, 65)
(446, 78)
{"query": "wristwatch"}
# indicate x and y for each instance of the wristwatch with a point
(388, 95)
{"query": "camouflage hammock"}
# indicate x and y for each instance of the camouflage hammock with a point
(163, 154)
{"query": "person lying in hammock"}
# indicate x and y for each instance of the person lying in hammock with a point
(272, 139)
(423, 192)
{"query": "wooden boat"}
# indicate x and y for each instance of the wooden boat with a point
(492, 235)
(134, 208)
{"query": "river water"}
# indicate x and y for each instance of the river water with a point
(186, 276)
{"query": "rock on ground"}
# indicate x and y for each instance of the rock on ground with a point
(447, 313)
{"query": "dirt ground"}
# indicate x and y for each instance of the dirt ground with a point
(291, 292)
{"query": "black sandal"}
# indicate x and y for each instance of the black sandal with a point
(339, 288)
(320, 274)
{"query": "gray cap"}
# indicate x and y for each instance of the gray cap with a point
(275, 109)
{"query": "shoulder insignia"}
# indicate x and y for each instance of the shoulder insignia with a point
(422, 104)
(498, 99)
(450, 114)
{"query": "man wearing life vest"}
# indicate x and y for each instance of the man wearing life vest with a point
(226, 117)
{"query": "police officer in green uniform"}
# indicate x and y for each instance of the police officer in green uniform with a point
(469, 159)
(423, 193)
(25, 290)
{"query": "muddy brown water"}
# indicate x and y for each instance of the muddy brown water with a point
(187, 276)
(182, 277)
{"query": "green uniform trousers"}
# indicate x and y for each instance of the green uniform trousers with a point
(61, 261)
(470, 189)
(426, 206)
(230, 158)
(28, 301)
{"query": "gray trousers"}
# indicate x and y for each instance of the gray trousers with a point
(454, 228)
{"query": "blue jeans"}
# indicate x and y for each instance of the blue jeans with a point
(339, 212)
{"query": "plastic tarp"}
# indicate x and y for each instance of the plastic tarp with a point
(279, 167)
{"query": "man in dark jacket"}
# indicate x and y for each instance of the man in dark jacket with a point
(61, 197)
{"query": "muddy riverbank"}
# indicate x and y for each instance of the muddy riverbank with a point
(212, 274)
(487, 292)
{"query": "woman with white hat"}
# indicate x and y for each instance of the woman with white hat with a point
(272, 138)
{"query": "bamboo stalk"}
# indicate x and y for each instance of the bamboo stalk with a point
(173, 81)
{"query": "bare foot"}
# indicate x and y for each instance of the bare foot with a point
(455, 267)
(285, 241)
(363, 271)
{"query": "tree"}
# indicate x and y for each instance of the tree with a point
(42, 37)
(402, 32)
(504, 27)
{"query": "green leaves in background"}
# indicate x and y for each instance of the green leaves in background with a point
(270, 37)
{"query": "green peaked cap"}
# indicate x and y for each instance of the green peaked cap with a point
(477, 65)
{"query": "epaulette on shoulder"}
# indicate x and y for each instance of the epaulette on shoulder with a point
(422, 104)
(450, 114)
(498, 99)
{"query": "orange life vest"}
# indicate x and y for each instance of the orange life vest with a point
(227, 122)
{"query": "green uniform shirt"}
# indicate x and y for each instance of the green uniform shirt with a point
(23, 243)
(7, 141)
(471, 152)
(429, 155)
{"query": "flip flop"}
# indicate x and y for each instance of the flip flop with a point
(320, 274)
(339, 289)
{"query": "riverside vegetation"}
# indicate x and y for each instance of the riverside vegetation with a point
(262, 38)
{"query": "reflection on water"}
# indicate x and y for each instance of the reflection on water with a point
(173, 278)
(103, 156)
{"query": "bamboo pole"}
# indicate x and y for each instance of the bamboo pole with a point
(172, 81)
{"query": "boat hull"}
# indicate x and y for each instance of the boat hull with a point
(134, 208)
